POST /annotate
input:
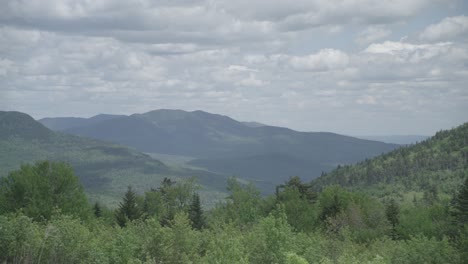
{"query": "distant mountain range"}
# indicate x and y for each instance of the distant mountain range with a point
(397, 139)
(266, 155)
(438, 164)
(104, 168)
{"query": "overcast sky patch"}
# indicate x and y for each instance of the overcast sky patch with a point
(358, 67)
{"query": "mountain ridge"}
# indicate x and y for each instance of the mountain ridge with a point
(211, 138)
(105, 169)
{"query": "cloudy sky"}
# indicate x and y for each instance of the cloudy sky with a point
(357, 67)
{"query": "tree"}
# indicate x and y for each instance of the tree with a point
(460, 205)
(392, 212)
(97, 210)
(305, 190)
(128, 209)
(431, 195)
(332, 201)
(40, 189)
(243, 205)
(196, 213)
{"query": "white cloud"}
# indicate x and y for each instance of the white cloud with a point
(162, 22)
(407, 52)
(448, 28)
(372, 34)
(252, 81)
(324, 60)
(292, 63)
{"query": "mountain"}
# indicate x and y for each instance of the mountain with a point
(16, 124)
(221, 144)
(105, 169)
(253, 124)
(64, 123)
(397, 139)
(439, 163)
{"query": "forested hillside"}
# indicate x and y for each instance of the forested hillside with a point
(439, 163)
(45, 218)
(105, 169)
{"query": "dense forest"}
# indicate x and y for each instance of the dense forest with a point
(407, 206)
(438, 164)
(46, 218)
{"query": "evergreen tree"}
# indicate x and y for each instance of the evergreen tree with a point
(460, 205)
(392, 211)
(431, 195)
(128, 208)
(97, 210)
(305, 190)
(196, 213)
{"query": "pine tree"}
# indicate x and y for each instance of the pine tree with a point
(196, 213)
(128, 209)
(97, 210)
(392, 211)
(460, 205)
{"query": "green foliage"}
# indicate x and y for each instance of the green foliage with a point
(392, 212)
(338, 226)
(196, 213)
(172, 198)
(271, 239)
(175, 243)
(243, 206)
(301, 213)
(292, 258)
(430, 221)
(20, 239)
(439, 161)
(67, 240)
(97, 210)
(332, 201)
(305, 190)
(41, 189)
(460, 205)
(421, 249)
(225, 244)
(129, 210)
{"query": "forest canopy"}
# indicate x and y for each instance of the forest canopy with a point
(46, 218)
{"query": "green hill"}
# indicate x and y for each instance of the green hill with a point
(439, 163)
(105, 169)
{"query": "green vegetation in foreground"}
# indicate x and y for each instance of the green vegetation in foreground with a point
(105, 169)
(436, 166)
(167, 225)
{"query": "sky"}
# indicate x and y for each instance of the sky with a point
(355, 67)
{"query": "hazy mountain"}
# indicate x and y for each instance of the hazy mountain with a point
(105, 169)
(397, 139)
(16, 124)
(264, 153)
(253, 124)
(438, 163)
(63, 123)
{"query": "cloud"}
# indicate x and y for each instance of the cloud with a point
(324, 60)
(162, 22)
(448, 28)
(309, 65)
(372, 34)
(407, 52)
